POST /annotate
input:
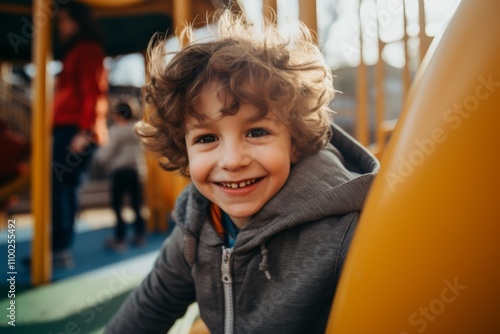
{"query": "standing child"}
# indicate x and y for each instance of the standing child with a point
(263, 230)
(123, 157)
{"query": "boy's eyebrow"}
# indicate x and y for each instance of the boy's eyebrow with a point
(200, 122)
(258, 117)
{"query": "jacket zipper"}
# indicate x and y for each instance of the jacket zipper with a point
(227, 282)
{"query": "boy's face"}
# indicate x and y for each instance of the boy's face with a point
(237, 162)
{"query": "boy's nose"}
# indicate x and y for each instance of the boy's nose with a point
(234, 156)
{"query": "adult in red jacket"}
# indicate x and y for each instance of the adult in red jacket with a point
(80, 107)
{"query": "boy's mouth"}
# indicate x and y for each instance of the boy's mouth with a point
(240, 184)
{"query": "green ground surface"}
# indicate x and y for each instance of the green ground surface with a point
(77, 305)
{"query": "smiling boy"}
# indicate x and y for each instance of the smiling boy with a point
(263, 230)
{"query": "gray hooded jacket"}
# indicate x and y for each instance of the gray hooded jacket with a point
(281, 275)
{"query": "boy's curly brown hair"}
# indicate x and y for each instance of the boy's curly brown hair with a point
(252, 65)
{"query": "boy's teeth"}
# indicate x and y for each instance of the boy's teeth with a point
(242, 184)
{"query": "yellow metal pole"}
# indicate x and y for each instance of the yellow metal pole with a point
(269, 10)
(380, 96)
(362, 93)
(41, 270)
(182, 15)
(424, 39)
(307, 14)
(406, 68)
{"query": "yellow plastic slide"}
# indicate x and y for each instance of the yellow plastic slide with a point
(426, 254)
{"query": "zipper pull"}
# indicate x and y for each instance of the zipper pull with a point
(226, 265)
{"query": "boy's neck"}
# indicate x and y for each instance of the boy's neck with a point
(223, 225)
(239, 222)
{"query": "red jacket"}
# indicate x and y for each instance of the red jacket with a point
(81, 90)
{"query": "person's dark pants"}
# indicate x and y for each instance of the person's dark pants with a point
(67, 172)
(126, 181)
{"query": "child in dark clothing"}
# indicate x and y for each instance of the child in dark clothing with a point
(123, 157)
(263, 230)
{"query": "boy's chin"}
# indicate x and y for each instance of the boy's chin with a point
(239, 217)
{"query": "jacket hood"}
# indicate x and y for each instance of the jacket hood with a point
(332, 182)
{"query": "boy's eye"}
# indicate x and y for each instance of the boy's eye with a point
(257, 133)
(205, 139)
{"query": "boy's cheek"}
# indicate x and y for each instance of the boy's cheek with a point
(197, 171)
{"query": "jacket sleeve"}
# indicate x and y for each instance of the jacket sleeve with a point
(163, 296)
